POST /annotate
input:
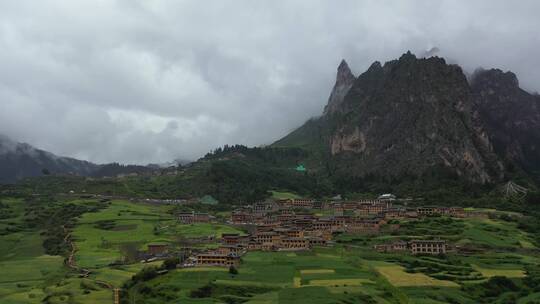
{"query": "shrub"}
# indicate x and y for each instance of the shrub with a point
(147, 273)
(202, 292)
(170, 263)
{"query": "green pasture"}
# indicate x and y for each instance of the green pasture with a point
(284, 195)
(125, 210)
(198, 230)
(25, 269)
(488, 233)
(320, 276)
(494, 233)
(133, 225)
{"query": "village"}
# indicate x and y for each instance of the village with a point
(301, 224)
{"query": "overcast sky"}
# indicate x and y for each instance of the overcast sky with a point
(150, 81)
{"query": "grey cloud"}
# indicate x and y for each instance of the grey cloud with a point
(151, 81)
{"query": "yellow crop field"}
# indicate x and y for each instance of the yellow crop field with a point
(399, 278)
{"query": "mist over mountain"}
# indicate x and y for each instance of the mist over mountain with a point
(21, 160)
(413, 116)
(407, 118)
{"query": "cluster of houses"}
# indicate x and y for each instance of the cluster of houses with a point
(291, 225)
(286, 225)
(345, 214)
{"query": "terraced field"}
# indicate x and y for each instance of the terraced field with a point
(101, 238)
(397, 276)
(348, 272)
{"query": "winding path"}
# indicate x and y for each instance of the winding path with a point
(84, 273)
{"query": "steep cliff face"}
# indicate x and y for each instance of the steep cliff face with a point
(344, 81)
(510, 116)
(407, 118)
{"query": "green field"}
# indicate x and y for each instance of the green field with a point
(25, 269)
(324, 275)
(319, 276)
(351, 272)
(27, 272)
(348, 272)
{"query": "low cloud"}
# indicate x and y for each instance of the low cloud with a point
(152, 81)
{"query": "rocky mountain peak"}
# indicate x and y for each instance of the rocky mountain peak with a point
(494, 78)
(407, 56)
(344, 81)
(374, 67)
(344, 73)
(406, 118)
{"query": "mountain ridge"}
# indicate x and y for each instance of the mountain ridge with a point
(412, 116)
(21, 160)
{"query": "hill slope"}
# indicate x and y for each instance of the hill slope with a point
(20, 160)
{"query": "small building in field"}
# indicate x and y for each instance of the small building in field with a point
(317, 241)
(397, 246)
(432, 247)
(294, 244)
(201, 217)
(456, 211)
(157, 249)
(228, 249)
(193, 217)
(217, 259)
(428, 211)
(230, 238)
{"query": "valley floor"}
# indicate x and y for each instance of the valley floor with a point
(348, 272)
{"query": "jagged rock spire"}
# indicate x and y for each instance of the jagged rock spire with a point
(344, 82)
